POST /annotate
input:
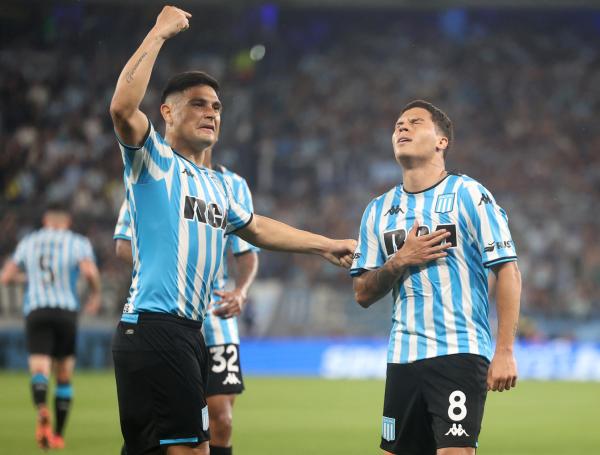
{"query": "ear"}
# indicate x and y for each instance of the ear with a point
(442, 143)
(167, 113)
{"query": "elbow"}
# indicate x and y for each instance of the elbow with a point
(119, 111)
(362, 299)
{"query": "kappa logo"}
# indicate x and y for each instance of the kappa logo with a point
(457, 430)
(485, 199)
(187, 172)
(394, 210)
(232, 379)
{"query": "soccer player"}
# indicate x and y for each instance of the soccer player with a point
(180, 212)
(52, 259)
(220, 327)
(432, 241)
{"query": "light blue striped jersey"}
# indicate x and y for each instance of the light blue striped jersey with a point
(180, 214)
(123, 227)
(442, 307)
(218, 330)
(50, 258)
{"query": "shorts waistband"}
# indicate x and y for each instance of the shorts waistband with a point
(157, 317)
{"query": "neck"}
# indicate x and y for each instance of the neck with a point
(208, 159)
(416, 179)
(188, 151)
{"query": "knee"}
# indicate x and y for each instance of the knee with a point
(222, 422)
(456, 451)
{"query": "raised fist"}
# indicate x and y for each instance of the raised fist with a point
(171, 21)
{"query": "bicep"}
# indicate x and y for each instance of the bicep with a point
(89, 270)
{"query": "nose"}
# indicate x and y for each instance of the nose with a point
(401, 128)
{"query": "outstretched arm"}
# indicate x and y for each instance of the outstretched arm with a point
(11, 273)
(374, 284)
(502, 374)
(232, 302)
(130, 123)
(273, 235)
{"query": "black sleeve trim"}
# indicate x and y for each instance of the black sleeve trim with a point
(499, 261)
(242, 227)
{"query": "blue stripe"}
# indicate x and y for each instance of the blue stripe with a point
(207, 281)
(130, 318)
(39, 378)
(477, 278)
(364, 236)
(64, 391)
(178, 440)
(391, 224)
(415, 281)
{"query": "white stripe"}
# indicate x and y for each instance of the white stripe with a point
(401, 223)
(182, 245)
(446, 289)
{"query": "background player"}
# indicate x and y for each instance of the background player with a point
(180, 213)
(432, 241)
(220, 327)
(52, 259)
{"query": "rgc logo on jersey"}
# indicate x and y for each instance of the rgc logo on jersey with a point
(394, 240)
(211, 213)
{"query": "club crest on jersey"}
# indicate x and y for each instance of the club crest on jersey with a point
(444, 203)
(196, 209)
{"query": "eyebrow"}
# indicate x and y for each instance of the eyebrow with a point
(199, 98)
(410, 120)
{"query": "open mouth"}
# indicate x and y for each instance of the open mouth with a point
(208, 128)
(403, 140)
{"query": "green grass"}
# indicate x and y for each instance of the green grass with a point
(313, 416)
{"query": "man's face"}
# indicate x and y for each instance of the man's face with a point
(416, 137)
(194, 116)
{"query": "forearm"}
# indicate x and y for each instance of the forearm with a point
(508, 298)
(246, 269)
(273, 235)
(133, 80)
(374, 284)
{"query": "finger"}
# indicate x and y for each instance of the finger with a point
(435, 237)
(414, 229)
(221, 293)
(514, 382)
(439, 248)
(433, 257)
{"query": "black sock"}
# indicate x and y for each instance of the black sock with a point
(62, 404)
(39, 389)
(215, 450)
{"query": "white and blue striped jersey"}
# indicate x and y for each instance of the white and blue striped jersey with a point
(123, 227)
(180, 214)
(50, 258)
(441, 307)
(216, 330)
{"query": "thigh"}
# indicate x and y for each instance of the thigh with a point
(455, 390)
(225, 372)
(65, 334)
(39, 333)
(160, 373)
(406, 428)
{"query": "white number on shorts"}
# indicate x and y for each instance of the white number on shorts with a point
(457, 402)
(220, 363)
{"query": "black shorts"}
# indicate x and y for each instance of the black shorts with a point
(161, 367)
(434, 403)
(51, 331)
(225, 373)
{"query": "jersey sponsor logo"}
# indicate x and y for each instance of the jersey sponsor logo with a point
(232, 379)
(388, 428)
(196, 209)
(456, 430)
(485, 199)
(498, 245)
(394, 240)
(394, 210)
(444, 203)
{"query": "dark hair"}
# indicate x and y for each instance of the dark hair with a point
(441, 121)
(181, 81)
(57, 206)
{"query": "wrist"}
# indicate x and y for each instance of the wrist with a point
(503, 349)
(155, 35)
(397, 265)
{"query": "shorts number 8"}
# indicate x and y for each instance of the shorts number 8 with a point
(457, 401)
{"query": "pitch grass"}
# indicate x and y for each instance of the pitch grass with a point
(292, 416)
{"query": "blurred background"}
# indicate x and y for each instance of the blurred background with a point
(311, 92)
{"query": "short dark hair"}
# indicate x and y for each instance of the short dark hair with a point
(439, 117)
(57, 206)
(181, 81)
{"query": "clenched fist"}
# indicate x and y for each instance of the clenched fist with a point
(171, 21)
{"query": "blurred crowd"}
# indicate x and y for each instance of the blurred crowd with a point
(309, 124)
